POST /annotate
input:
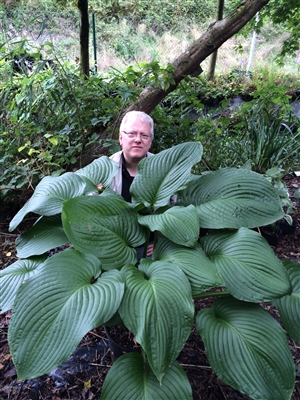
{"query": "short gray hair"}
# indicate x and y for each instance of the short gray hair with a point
(140, 115)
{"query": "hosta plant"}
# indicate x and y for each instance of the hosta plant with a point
(96, 279)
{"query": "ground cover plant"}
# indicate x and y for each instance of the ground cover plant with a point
(97, 280)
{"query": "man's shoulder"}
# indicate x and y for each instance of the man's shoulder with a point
(116, 156)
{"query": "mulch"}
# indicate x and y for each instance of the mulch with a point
(81, 377)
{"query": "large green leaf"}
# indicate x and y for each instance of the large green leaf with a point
(13, 276)
(289, 306)
(100, 171)
(54, 309)
(157, 307)
(105, 226)
(50, 193)
(131, 378)
(200, 271)
(247, 349)
(233, 198)
(46, 234)
(163, 174)
(179, 224)
(247, 264)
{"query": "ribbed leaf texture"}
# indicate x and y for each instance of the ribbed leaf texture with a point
(55, 309)
(131, 378)
(100, 171)
(289, 306)
(247, 264)
(50, 193)
(200, 271)
(105, 226)
(13, 276)
(179, 224)
(46, 234)
(233, 198)
(157, 308)
(247, 349)
(162, 175)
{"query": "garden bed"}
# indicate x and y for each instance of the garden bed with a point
(81, 377)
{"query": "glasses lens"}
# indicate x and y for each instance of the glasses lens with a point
(134, 135)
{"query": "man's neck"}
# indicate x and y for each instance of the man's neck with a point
(131, 165)
(132, 168)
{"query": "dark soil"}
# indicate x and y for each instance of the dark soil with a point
(82, 376)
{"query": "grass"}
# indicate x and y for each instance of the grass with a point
(121, 43)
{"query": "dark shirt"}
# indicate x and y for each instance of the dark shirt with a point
(126, 182)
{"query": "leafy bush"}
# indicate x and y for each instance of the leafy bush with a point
(57, 300)
(45, 119)
(49, 116)
(271, 141)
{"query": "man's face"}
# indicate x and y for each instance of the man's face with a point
(135, 148)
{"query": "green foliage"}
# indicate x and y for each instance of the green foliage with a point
(270, 140)
(159, 15)
(230, 318)
(49, 116)
(56, 300)
(262, 128)
(275, 176)
(286, 13)
(45, 119)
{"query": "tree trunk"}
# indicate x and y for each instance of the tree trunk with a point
(188, 63)
(84, 36)
(213, 62)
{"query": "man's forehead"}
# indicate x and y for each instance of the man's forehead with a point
(137, 124)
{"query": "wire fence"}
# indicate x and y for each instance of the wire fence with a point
(120, 42)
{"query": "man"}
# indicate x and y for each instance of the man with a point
(135, 137)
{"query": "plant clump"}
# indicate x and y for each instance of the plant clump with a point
(97, 280)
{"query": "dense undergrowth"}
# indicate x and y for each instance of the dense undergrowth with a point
(50, 114)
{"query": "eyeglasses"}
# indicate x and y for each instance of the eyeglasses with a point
(132, 135)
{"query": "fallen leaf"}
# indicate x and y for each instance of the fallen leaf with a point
(87, 384)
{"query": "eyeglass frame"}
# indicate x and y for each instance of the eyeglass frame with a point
(143, 136)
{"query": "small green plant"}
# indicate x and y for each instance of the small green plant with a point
(57, 300)
(275, 175)
(271, 141)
